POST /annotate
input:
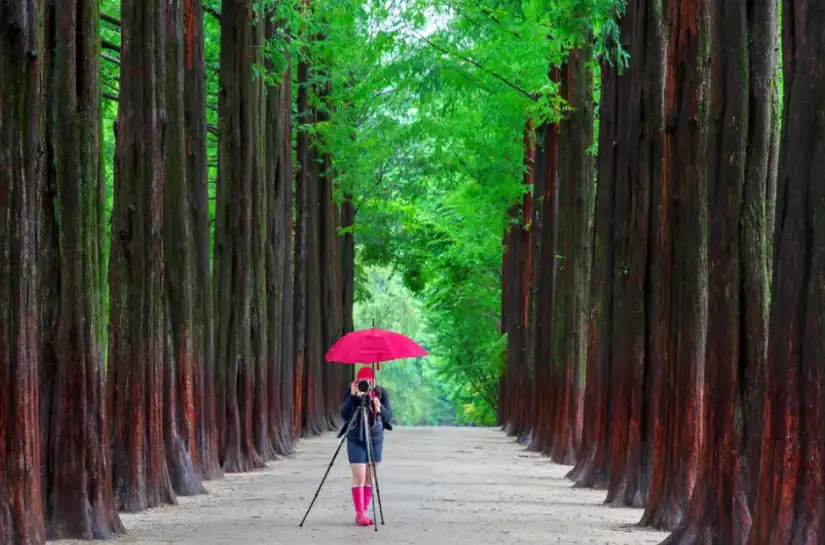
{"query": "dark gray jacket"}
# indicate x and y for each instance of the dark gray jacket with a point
(377, 425)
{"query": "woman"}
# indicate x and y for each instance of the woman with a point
(357, 446)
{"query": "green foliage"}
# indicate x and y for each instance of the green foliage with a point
(428, 101)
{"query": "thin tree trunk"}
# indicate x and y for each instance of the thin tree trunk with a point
(233, 238)
(203, 360)
(136, 272)
(789, 501)
(76, 479)
(637, 179)
(546, 289)
(576, 187)
(592, 469)
(21, 504)
(302, 181)
(179, 257)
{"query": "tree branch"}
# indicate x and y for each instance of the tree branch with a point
(109, 45)
(109, 19)
(477, 65)
(110, 58)
(112, 97)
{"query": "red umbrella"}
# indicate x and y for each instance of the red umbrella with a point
(373, 346)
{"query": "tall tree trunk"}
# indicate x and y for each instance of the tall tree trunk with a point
(302, 181)
(593, 459)
(77, 489)
(278, 257)
(546, 291)
(576, 189)
(233, 238)
(680, 230)
(21, 504)
(260, 301)
(181, 409)
(331, 274)
(743, 36)
(136, 271)
(203, 360)
(314, 403)
(348, 259)
(789, 502)
(639, 125)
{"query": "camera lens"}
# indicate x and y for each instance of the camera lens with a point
(363, 386)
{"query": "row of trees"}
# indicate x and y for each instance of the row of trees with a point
(211, 360)
(668, 321)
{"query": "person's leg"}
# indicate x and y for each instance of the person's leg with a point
(357, 455)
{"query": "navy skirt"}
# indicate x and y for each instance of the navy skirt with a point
(357, 451)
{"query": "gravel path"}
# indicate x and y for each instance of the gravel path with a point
(459, 486)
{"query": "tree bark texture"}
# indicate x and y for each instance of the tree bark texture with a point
(789, 500)
(518, 255)
(181, 410)
(315, 417)
(546, 288)
(743, 67)
(260, 301)
(680, 267)
(279, 259)
(233, 276)
(21, 503)
(203, 360)
(77, 491)
(593, 459)
(639, 125)
(302, 181)
(136, 272)
(575, 224)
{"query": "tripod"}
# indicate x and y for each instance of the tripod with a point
(360, 414)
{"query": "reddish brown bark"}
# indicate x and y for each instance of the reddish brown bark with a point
(639, 125)
(593, 458)
(518, 259)
(76, 482)
(738, 171)
(789, 502)
(203, 360)
(315, 415)
(233, 238)
(180, 409)
(260, 301)
(21, 504)
(575, 205)
(679, 316)
(331, 275)
(546, 289)
(278, 260)
(136, 272)
(302, 180)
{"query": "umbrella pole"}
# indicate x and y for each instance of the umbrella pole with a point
(343, 438)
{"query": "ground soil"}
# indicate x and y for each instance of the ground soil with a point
(450, 486)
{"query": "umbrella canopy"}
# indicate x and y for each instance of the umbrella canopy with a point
(373, 346)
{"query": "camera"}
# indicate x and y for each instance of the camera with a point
(363, 386)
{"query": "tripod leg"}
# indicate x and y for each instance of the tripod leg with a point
(370, 465)
(329, 467)
(377, 488)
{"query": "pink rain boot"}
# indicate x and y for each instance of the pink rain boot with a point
(358, 502)
(367, 500)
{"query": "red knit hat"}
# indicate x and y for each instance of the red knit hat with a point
(366, 373)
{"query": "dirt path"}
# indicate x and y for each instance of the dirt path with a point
(484, 490)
